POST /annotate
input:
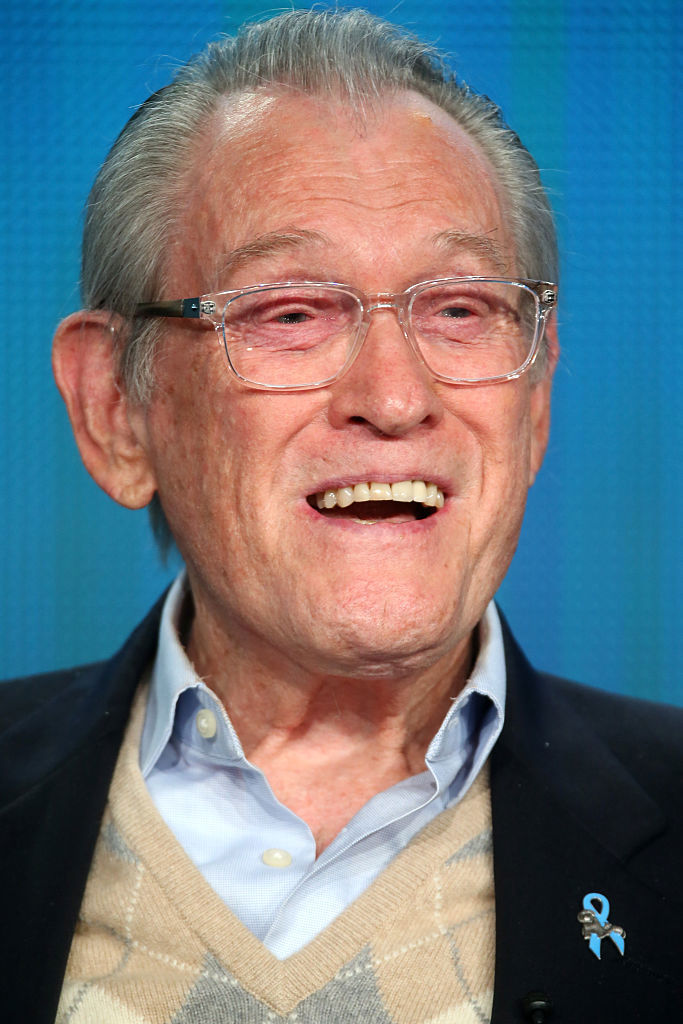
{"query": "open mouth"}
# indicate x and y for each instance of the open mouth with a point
(401, 502)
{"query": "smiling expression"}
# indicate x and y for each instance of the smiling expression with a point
(302, 549)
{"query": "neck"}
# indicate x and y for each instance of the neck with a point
(267, 693)
(327, 741)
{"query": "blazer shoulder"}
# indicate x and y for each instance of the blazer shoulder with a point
(645, 736)
(46, 720)
(632, 727)
(24, 695)
(580, 738)
(86, 689)
(621, 719)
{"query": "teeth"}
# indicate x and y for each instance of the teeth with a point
(344, 496)
(419, 490)
(380, 492)
(404, 490)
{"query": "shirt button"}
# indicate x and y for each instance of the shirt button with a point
(206, 723)
(276, 858)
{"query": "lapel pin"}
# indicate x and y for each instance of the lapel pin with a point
(594, 924)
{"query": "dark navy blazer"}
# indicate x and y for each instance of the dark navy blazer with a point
(587, 797)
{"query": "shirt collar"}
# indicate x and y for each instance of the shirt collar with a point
(173, 674)
(488, 678)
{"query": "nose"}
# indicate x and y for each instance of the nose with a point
(387, 387)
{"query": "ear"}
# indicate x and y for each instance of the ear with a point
(540, 402)
(107, 424)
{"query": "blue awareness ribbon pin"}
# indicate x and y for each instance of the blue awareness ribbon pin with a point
(596, 927)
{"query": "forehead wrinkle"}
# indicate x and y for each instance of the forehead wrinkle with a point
(455, 242)
(270, 243)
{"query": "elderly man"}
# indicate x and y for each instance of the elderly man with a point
(320, 782)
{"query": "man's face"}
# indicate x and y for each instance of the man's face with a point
(290, 188)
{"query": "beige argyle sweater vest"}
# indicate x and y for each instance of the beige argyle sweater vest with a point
(156, 945)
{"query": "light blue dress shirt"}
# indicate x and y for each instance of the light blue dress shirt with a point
(258, 855)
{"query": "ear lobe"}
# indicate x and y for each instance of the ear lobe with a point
(540, 402)
(109, 436)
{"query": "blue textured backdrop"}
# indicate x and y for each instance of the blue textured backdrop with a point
(597, 584)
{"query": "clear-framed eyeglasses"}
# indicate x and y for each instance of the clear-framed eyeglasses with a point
(296, 336)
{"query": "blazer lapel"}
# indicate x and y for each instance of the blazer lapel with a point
(56, 765)
(569, 820)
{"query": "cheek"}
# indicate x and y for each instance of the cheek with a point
(503, 435)
(497, 424)
(188, 425)
(219, 449)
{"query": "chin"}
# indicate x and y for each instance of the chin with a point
(380, 641)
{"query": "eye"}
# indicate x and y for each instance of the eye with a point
(453, 302)
(456, 312)
(272, 310)
(285, 308)
(451, 313)
(292, 318)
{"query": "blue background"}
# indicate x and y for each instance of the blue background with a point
(597, 585)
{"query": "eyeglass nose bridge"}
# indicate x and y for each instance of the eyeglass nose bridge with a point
(389, 300)
(382, 300)
(386, 301)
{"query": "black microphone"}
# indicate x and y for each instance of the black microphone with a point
(537, 1007)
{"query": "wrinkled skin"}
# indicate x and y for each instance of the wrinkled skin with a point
(300, 618)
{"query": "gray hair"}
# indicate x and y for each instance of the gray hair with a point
(130, 216)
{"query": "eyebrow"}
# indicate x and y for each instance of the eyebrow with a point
(451, 241)
(269, 244)
(461, 242)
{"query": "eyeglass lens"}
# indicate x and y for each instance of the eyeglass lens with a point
(298, 335)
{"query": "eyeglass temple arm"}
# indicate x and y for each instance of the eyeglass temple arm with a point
(187, 308)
